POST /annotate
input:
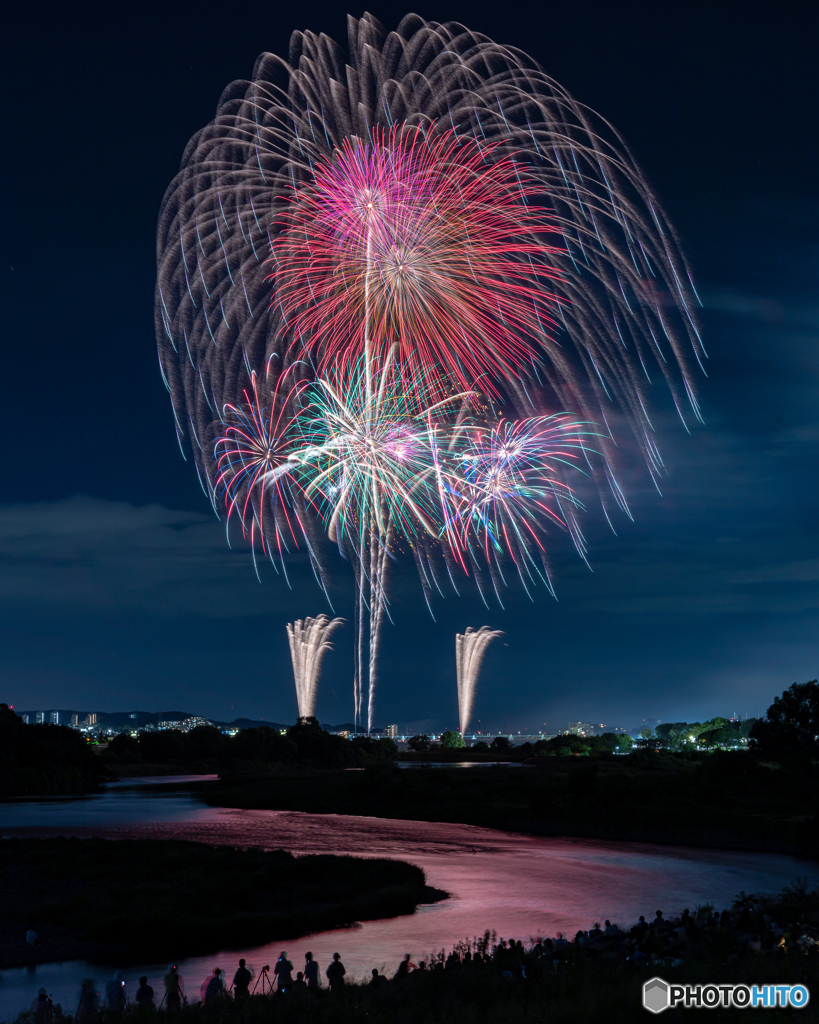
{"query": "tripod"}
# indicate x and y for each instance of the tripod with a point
(264, 978)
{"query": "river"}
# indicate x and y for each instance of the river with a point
(519, 886)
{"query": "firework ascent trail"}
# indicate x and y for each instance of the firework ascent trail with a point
(470, 648)
(309, 641)
(399, 266)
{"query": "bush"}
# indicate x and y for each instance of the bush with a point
(370, 750)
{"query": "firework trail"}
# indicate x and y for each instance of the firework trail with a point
(309, 642)
(470, 648)
(363, 454)
(435, 195)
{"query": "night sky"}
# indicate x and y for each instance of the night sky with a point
(117, 589)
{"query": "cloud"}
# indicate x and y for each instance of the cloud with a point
(112, 558)
(692, 585)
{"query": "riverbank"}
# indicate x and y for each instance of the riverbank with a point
(127, 901)
(596, 975)
(728, 801)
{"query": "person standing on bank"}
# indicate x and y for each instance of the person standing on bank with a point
(335, 973)
(284, 973)
(144, 996)
(174, 988)
(241, 981)
(311, 971)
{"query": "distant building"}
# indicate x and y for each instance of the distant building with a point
(39, 717)
(25, 718)
(391, 731)
(90, 720)
(580, 728)
(195, 723)
(185, 725)
(75, 721)
(54, 717)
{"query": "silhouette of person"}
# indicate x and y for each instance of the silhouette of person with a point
(405, 967)
(335, 973)
(213, 987)
(284, 973)
(115, 992)
(311, 971)
(42, 1009)
(144, 995)
(174, 988)
(241, 981)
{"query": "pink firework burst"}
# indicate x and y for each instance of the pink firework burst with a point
(427, 241)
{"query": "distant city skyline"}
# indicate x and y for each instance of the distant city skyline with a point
(136, 719)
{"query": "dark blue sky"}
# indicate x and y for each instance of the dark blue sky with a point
(117, 589)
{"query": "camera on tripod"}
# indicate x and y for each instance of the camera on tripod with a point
(264, 979)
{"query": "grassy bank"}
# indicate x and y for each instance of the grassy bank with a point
(138, 900)
(572, 994)
(720, 799)
(598, 977)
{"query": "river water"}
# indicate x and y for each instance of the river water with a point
(519, 886)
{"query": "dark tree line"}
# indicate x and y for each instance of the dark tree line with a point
(39, 760)
(303, 743)
(789, 733)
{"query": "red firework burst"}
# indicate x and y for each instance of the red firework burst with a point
(249, 452)
(427, 241)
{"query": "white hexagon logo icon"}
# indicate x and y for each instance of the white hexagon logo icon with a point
(655, 995)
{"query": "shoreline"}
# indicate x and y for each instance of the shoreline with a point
(598, 801)
(129, 901)
(64, 951)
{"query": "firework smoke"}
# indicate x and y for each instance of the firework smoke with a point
(309, 642)
(470, 648)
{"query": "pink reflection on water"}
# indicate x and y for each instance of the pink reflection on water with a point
(519, 886)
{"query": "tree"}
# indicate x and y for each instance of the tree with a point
(614, 741)
(646, 734)
(500, 744)
(418, 743)
(36, 760)
(372, 749)
(789, 733)
(452, 740)
(316, 744)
